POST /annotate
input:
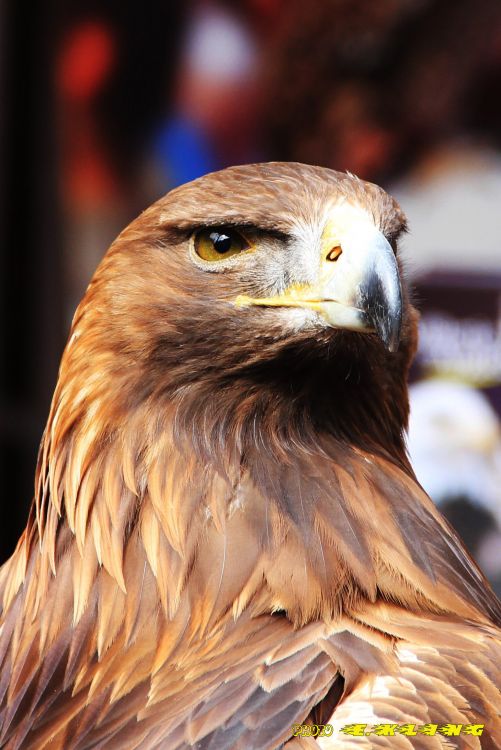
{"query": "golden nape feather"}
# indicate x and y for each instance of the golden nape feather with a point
(228, 548)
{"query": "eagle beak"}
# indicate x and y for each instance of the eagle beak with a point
(357, 285)
(370, 284)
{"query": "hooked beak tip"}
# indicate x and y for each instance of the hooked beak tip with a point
(381, 300)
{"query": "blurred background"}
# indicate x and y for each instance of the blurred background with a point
(105, 106)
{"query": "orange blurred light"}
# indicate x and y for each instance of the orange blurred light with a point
(86, 60)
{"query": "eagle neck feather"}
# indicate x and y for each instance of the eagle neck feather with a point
(157, 480)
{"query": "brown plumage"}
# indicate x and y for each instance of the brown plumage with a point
(227, 537)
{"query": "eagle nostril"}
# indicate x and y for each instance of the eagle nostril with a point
(334, 253)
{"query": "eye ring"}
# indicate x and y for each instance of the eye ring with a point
(216, 244)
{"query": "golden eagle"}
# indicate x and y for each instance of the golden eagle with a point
(227, 537)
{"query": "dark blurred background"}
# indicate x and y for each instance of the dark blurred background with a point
(104, 106)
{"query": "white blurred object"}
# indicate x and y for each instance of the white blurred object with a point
(219, 46)
(452, 204)
(455, 443)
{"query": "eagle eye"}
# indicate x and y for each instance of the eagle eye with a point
(218, 243)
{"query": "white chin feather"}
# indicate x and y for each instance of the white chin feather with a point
(299, 319)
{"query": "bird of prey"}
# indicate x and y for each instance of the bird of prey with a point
(227, 537)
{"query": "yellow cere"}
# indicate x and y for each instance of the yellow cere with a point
(297, 295)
